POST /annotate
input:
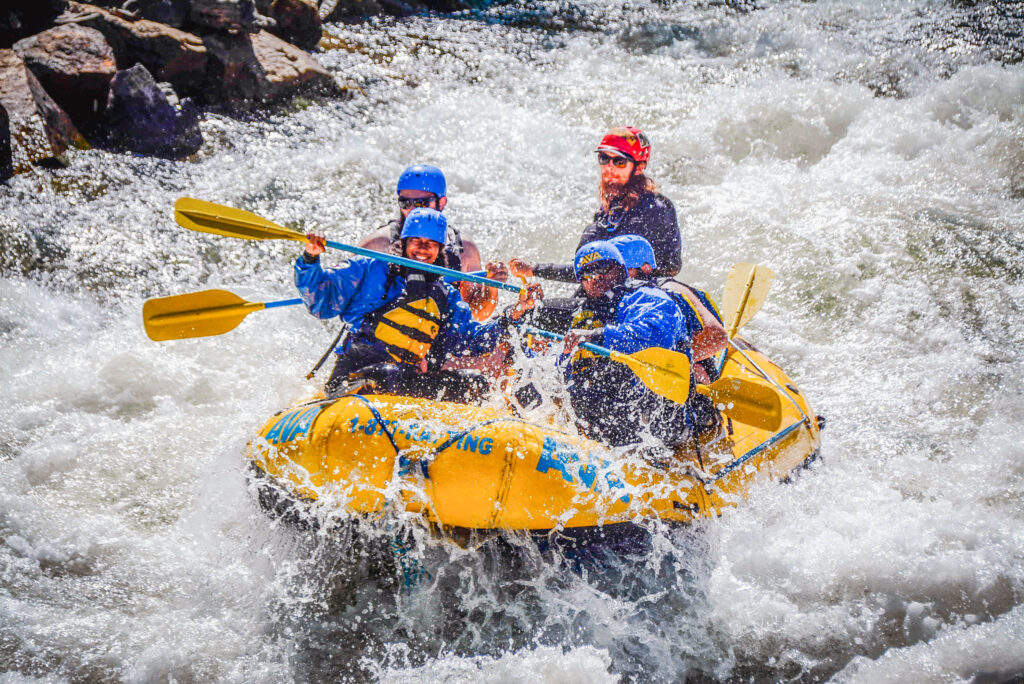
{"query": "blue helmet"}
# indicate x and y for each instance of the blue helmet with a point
(425, 223)
(636, 251)
(423, 177)
(599, 252)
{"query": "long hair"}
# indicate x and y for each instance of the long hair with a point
(626, 195)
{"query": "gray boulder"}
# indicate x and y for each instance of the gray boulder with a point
(168, 53)
(40, 130)
(234, 16)
(262, 67)
(147, 117)
(75, 65)
(171, 12)
(296, 21)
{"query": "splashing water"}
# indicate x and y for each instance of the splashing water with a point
(871, 153)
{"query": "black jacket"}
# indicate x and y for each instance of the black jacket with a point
(653, 217)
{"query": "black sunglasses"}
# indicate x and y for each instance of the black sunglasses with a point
(618, 162)
(413, 202)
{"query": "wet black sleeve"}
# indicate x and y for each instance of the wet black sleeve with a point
(663, 234)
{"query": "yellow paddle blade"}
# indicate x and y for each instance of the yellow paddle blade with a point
(207, 217)
(745, 291)
(198, 314)
(747, 401)
(663, 371)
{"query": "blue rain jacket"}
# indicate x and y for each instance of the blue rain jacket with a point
(645, 317)
(360, 286)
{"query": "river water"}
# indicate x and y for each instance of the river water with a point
(871, 153)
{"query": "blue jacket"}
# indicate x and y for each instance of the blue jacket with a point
(360, 286)
(635, 318)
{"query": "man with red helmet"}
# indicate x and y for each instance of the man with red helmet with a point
(630, 205)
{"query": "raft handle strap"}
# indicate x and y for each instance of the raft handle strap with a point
(379, 418)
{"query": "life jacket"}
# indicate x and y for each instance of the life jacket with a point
(408, 326)
(597, 313)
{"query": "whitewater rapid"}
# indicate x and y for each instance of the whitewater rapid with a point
(870, 153)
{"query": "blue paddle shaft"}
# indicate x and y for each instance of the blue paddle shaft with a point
(419, 265)
(600, 351)
(282, 302)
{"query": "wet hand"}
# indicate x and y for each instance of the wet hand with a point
(497, 271)
(520, 268)
(576, 337)
(527, 300)
(316, 243)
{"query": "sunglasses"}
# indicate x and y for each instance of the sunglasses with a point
(415, 202)
(598, 273)
(618, 162)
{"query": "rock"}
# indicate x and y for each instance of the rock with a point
(147, 117)
(171, 12)
(226, 15)
(168, 53)
(19, 19)
(298, 22)
(6, 161)
(263, 67)
(39, 129)
(75, 65)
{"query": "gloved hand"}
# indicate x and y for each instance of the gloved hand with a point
(497, 271)
(576, 337)
(527, 300)
(520, 268)
(316, 243)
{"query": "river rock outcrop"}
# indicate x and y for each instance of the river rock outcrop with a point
(171, 12)
(40, 131)
(226, 15)
(296, 21)
(74, 64)
(170, 54)
(263, 67)
(147, 117)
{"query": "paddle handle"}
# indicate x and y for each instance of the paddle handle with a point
(419, 265)
(600, 351)
(282, 302)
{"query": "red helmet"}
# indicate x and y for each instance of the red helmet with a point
(628, 141)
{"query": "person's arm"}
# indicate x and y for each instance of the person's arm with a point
(326, 293)
(561, 272)
(465, 336)
(712, 338)
(646, 320)
(663, 232)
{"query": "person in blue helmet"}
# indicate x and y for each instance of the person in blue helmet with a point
(405, 323)
(611, 404)
(424, 185)
(703, 321)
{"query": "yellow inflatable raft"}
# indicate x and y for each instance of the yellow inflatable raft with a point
(483, 469)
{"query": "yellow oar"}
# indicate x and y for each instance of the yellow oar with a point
(199, 314)
(663, 371)
(207, 217)
(747, 401)
(667, 373)
(756, 403)
(745, 291)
